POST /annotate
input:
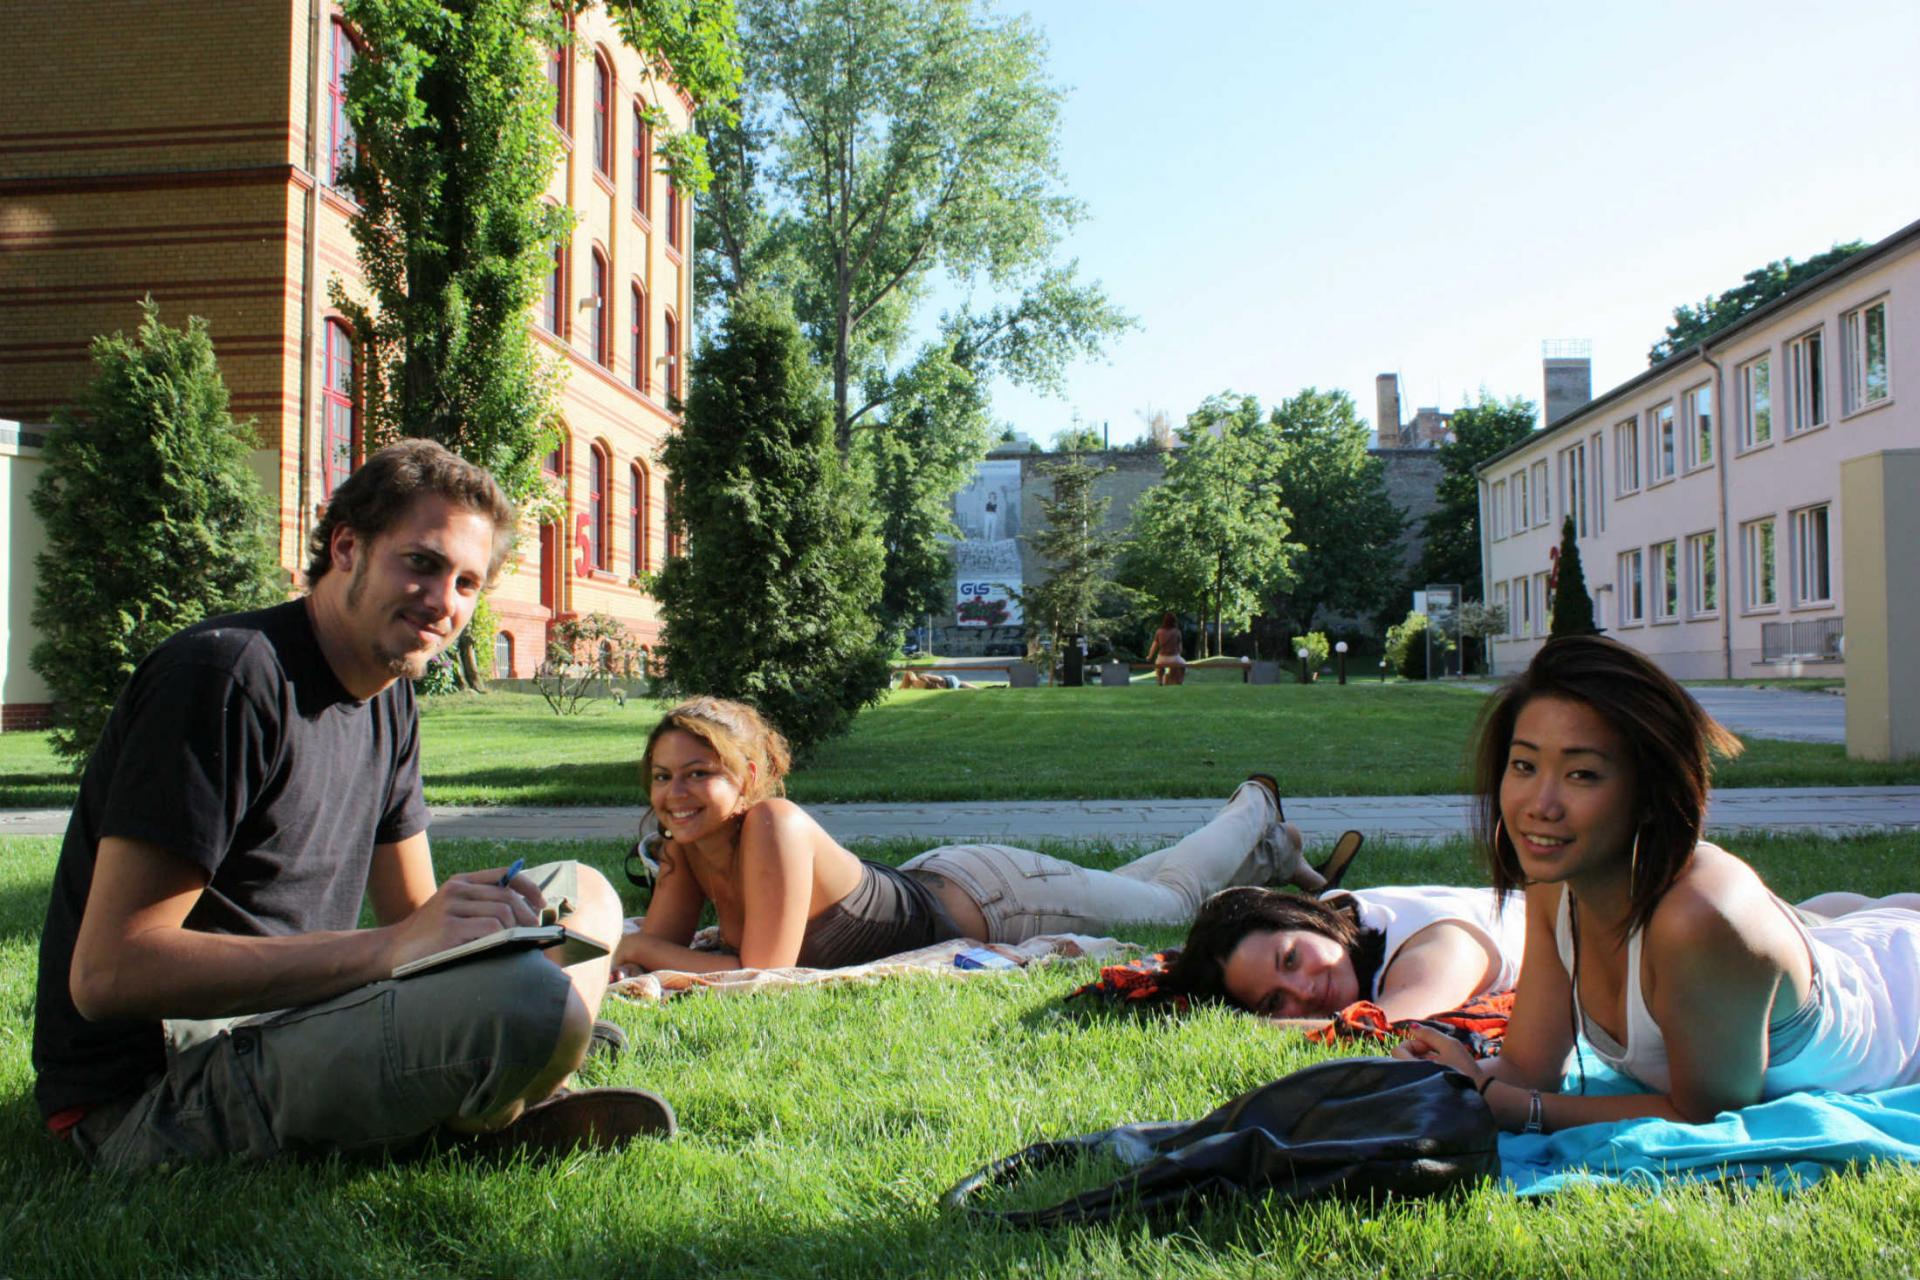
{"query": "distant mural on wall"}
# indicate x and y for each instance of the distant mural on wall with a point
(986, 560)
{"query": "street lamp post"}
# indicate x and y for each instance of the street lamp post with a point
(1341, 648)
(1383, 670)
(1301, 653)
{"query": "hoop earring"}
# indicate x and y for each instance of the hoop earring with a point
(1499, 835)
(1633, 864)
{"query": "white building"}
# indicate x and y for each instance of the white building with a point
(1706, 491)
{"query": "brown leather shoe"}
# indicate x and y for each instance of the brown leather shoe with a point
(603, 1119)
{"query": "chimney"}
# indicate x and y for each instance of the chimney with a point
(1568, 365)
(1386, 397)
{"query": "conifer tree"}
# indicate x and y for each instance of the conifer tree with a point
(153, 518)
(1078, 553)
(776, 597)
(1572, 606)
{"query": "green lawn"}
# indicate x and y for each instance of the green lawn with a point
(1032, 744)
(821, 1127)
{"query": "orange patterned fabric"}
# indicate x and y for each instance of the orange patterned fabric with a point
(1480, 1024)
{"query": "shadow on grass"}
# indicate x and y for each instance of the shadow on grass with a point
(48, 789)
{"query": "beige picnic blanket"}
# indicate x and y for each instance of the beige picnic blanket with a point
(664, 984)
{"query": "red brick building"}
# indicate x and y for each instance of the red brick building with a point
(185, 151)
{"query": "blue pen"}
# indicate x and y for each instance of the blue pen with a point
(519, 865)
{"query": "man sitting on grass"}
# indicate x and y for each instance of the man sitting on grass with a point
(203, 988)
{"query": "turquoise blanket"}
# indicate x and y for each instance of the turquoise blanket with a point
(1791, 1141)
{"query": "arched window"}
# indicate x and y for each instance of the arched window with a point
(642, 153)
(673, 214)
(599, 507)
(671, 332)
(553, 294)
(637, 518)
(560, 80)
(637, 338)
(602, 116)
(503, 654)
(339, 135)
(340, 420)
(602, 330)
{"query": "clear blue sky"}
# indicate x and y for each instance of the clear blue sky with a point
(1290, 195)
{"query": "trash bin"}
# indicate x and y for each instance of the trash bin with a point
(1075, 673)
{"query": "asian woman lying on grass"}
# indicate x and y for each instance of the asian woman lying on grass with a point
(1669, 955)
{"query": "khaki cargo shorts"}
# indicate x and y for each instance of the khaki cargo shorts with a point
(368, 1069)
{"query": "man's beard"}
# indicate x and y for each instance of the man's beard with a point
(411, 663)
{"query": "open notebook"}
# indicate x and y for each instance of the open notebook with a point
(574, 947)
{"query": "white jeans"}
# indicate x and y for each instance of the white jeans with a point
(1024, 894)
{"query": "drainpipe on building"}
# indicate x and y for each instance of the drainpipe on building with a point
(1486, 563)
(309, 271)
(1720, 536)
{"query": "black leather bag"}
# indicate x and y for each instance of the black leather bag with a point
(1352, 1129)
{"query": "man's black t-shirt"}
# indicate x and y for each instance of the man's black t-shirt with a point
(235, 747)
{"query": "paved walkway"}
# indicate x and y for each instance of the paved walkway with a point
(1792, 714)
(1825, 810)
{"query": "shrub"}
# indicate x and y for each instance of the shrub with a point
(1407, 647)
(1318, 650)
(153, 518)
(442, 677)
(582, 652)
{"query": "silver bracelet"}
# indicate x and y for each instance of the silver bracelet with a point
(1535, 1117)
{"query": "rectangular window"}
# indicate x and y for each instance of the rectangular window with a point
(1497, 507)
(1500, 604)
(1863, 342)
(1633, 588)
(1542, 496)
(1542, 606)
(1756, 403)
(1703, 575)
(1806, 383)
(1523, 604)
(1626, 455)
(1520, 511)
(1699, 425)
(1573, 476)
(553, 292)
(1760, 586)
(1666, 581)
(1660, 442)
(1598, 488)
(1811, 581)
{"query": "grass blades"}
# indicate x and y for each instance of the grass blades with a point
(822, 1125)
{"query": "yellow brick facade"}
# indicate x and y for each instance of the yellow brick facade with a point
(179, 151)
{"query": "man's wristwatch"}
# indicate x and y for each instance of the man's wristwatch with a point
(1534, 1114)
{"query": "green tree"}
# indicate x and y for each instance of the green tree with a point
(1212, 537)
(937, 430)
(775, 598)
(1452, 530)
(1572, 609)
(1078, 439)
(454, 150)
(1078, 594)
(880, 143)
(1695, 322)
(153, 520)
(1338, 510)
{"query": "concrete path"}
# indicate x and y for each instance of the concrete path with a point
(1828, 811)
(1792, 714)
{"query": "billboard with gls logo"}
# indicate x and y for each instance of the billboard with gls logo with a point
(986, 603)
